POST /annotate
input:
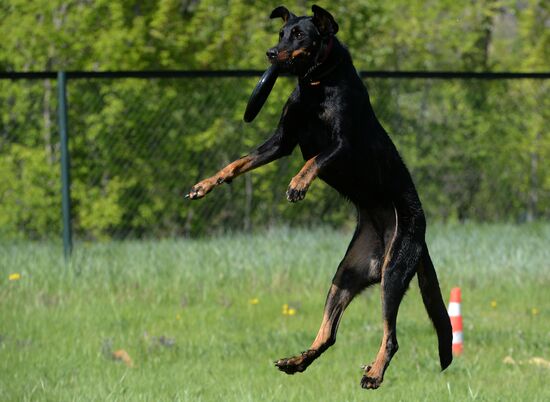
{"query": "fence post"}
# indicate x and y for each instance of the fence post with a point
(65, 163)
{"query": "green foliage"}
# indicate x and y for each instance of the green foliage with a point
(29, 193)
(477, 149)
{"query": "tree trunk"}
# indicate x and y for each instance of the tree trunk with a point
(533, 194)
(47, 118)
(248, 203)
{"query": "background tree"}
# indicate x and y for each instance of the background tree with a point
(476, 149)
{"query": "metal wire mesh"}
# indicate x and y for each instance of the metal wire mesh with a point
(475, 149)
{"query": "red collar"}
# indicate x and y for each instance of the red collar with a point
(320, 69)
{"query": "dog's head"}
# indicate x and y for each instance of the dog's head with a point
(303, 41)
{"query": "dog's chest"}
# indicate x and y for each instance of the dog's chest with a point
(315, 134)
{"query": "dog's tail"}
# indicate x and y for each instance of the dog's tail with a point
(433, 301)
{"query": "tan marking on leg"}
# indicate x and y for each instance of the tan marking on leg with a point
(377, 368)
(323, 334)
(236, 168)
(331, 319)
(337, 301)
(364, 255)
(306, 175)
(228, 173)
(374, 374)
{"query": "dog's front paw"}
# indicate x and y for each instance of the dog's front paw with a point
(295, 194)
(297, 190)
(199, 190)
(195, 193)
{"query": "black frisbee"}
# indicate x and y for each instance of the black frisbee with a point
(260, 93)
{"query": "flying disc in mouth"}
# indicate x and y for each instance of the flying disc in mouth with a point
(260, 93)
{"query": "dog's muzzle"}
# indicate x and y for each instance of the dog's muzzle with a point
(272, 54)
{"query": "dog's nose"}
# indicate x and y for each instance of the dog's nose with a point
(272, 53)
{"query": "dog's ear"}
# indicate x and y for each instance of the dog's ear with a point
(282, 12)
(324, 21)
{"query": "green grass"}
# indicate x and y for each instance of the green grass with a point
(182, 311)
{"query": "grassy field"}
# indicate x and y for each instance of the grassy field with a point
(203, 320)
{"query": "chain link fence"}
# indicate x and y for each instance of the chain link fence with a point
(477, 146)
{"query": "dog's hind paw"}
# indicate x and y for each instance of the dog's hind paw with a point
(296, 364)
(369, 380)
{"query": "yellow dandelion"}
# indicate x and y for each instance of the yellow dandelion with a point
(178, 317)
(493, 303)
(254, 301)
(287, 310)
(535, 311)
(14, 277)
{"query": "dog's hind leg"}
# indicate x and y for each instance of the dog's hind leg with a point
(359, 269)
(337, 300)
(400, 263)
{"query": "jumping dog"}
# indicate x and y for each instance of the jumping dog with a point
(330, 117)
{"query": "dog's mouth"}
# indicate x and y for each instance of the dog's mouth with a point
(291, 60)
(302, 52)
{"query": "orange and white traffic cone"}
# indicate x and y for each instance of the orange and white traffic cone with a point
(456, 321)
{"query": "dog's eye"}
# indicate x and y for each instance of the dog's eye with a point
(299, 34)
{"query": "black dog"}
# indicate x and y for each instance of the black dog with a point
(330, 117)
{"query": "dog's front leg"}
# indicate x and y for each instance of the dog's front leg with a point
(225, 175)
(300, 183)
(277, 146)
